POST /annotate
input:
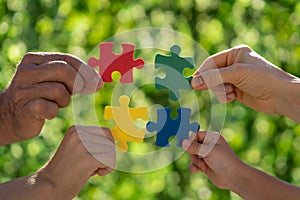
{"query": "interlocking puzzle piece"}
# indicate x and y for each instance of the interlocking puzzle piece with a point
(174, 66)
(110, 62)
(124, 130)
(167, 127)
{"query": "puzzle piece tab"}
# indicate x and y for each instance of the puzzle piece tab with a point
(167, 127)
(174, 66)
(124, 130)
(110, 62)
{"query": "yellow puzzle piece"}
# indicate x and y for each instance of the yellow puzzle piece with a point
(124, 130)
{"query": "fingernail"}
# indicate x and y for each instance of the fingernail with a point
(186, 144)
(198, 81)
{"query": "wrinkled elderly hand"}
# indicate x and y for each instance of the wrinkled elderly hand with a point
(241, 74)
(43, 82)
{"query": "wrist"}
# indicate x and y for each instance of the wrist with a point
(58, 175)
(42, 185)
(288, 103)
(27, 188)
(239, 178)
(50, 185)
(6, 130)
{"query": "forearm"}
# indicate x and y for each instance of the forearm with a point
(5, 129)
(251, 183)
(30, 187)
(289, 104)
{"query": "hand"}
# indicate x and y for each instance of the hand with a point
(42, 83)
(211, 155)
(240, 73)
(84, 152)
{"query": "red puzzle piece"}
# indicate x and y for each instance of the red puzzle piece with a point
(110, 62)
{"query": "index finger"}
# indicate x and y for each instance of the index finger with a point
(224, 58)
(92, 80)
(38, 58)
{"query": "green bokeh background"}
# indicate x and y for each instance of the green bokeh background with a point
(268, 142)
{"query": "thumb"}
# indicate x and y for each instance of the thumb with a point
(214, 77)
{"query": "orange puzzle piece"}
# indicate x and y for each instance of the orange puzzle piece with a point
(124, 130)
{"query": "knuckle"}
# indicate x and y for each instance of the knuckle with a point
(28, 56)
(72, 138)
(23, 71)
(20, 70)
(63, 56)
(242, 47)
(245, 48)
(71, 59)
(242, 52)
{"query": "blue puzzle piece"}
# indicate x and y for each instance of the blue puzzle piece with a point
(167, 127)
(174, 66)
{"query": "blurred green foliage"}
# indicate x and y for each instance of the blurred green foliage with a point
(272, 28)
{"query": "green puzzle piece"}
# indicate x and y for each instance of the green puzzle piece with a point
(174, 66)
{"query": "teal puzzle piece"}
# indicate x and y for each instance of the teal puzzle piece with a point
(174, 66)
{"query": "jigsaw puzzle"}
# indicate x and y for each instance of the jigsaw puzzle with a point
(124, 130)
(167, 127)
(110, 62)
(174, 66)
